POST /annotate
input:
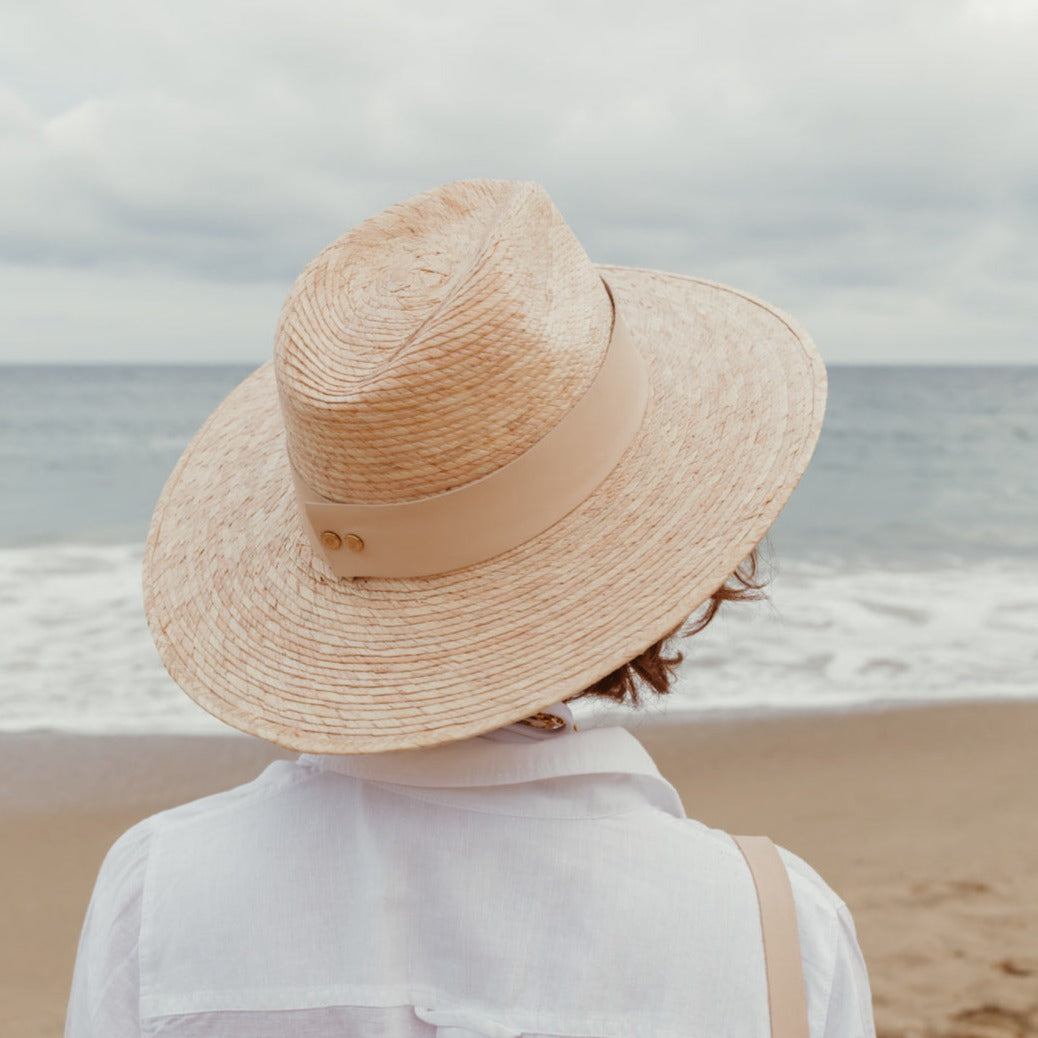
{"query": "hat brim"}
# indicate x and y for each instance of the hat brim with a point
(255, 628)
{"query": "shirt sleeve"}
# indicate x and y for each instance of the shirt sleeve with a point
(850, 999)
(104, 999)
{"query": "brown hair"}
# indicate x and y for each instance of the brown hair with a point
(654, 669)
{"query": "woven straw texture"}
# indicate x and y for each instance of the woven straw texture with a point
(425, 349)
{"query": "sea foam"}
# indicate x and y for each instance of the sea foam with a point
(76, 655)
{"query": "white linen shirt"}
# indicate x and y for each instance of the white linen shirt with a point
(521, 883)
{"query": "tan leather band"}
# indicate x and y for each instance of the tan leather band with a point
(482, 519)
(787, 1000)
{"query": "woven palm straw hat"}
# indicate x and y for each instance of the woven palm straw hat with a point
(480, 473)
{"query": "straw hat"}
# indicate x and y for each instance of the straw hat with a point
(480, 473)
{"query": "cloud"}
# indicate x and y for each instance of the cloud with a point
(863, 165)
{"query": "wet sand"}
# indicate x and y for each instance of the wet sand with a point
(925, 820)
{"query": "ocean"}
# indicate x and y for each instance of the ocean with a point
(904, 569)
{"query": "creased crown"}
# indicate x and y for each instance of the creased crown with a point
(436, 342)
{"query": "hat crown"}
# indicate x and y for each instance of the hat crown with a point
(436, 342)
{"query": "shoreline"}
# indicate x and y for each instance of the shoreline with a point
(924, 818)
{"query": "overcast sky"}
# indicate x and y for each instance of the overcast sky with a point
(166, 169)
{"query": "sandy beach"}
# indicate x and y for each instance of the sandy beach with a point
(925, 820)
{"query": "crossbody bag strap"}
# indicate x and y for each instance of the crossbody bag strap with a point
(787, 1000)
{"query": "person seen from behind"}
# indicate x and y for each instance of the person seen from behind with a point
(482, 478)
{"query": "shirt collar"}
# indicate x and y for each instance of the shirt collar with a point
(496, 760)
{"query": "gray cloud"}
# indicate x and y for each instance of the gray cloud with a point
(872, 168)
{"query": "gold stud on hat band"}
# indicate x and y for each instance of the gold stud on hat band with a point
(331, 541)
(482, 519)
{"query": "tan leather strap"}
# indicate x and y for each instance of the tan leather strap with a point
(787, 1000)
(475, 522)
